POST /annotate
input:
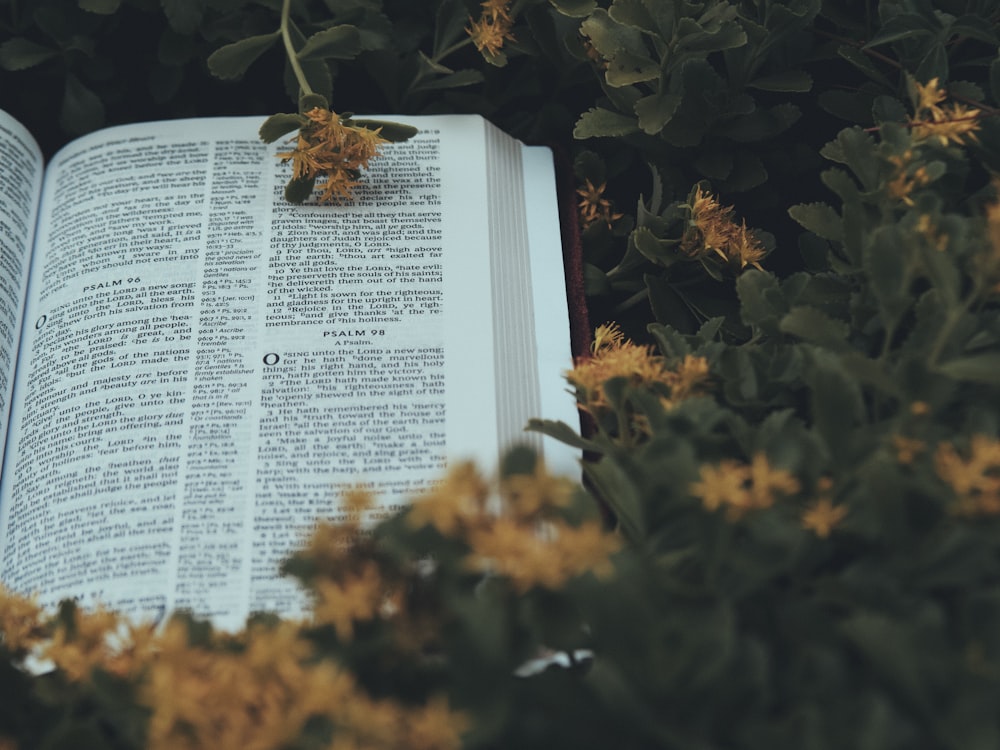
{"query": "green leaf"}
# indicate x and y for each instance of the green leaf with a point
(903, 26)
(975, 27)
(657, 250)
(655, 111)
(616, 488)
(103, 7)
(885, 263)
(20, 53)
(232, 60)
(758, 292)
(184, 16)
(860, 151)
(995, 80)
(761, 123)
(467, 77)
(863, 62)
(599, 122)
(394, 132)
(633, 13)
(574, 8)
(82, 110)
(317, 72)
(611, 38)
(342, 42)
(560, 431)
(626, 68)
(297, 190)
(820, 219)
(812, 324)
(836, 403)
(727, 36)
(983, 368)
(276, 126)
(786, 81)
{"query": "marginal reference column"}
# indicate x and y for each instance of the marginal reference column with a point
(212, 534)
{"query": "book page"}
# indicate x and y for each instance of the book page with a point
(207, 367)
(21, 171)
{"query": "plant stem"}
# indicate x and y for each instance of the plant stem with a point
(453, 48)
(293, 57)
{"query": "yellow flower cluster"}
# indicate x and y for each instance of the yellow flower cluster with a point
(953, 123)
(329, 150)
(492, 28)
(989, 261)
(255, 690)
(740, 488)
(614, 356)
(711, 229)
(20, 622)
(822, 516)
(523, 539)
(906, 177)
(975, 480)
(594, 207)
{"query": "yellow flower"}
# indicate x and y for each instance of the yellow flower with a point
(527, 496)
(739, 488)
(713, 230)
(907, 449)
(353, 598)
(530, 557)
(594, 206)
(689, 377)
(823, 516)
(453, 503)
(435, 726)
(976, 480)
(954, 123)
(492, 28)
(607, 336)
(905, 180)
(21, 621)
(329, 150)
(88, 643)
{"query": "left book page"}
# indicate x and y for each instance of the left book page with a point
(21, 170)
(205, 368)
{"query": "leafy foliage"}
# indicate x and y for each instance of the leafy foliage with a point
(791, 208)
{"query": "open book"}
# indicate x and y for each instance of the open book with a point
(192, 370)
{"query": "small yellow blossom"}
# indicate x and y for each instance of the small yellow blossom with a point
(713, 230)
(594, 207)
(953, 123)
(85, 645)
(329, 150)
(21, 621)
(920, 408)
(975, 480)
(607, 336)
(435, 726)
(739, 488)
(453, 503)
(492, 28)
(528, 558)
(823, 516)
(527, 496)
(907, 449)
(614, 356)
(354, 597)
(688, 378)
(905, 179)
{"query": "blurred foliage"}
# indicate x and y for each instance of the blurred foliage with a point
(791, 209)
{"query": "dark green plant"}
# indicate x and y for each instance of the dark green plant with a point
(794, 204)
